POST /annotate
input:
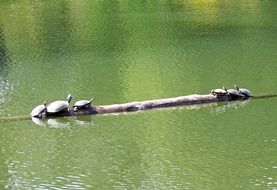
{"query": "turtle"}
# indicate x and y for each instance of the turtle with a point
(39, 111)
(219, 92)
(59, 106)
(82, 104)
(243, 91)
(233, 93)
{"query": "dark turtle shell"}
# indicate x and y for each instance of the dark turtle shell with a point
(233, 93)
(243, 91)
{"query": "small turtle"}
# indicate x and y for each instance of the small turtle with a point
(82, 104)
(243, 91)
(233, 93)
(219, 92)
(39, 111)
(59, 106)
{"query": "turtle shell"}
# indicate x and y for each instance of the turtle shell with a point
(38, 111)
(219, 91)
(57, 106)
(82, 103)
(245, 92)
(233, 92)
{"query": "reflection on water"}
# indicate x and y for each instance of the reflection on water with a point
(60, 122)
(267, 180)
(63, 122)
(40, 122)
(224, 106)
(6, 88)
(83, 120)
(15, 181)
(3, 52)
(27, 162)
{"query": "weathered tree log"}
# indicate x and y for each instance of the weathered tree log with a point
(149, 104)
(142, 105)
(168, 102)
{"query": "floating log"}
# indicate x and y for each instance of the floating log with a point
(159, 103)
(143, 105)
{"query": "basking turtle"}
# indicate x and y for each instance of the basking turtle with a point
(243, 91)
(219, 92)
(82, 104)
(59, 106)
(233, 93)
(39, 111)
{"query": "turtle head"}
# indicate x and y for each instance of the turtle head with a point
(45, 107)
(236, 87)
(213, 92)
(68, 98)
(92, 99)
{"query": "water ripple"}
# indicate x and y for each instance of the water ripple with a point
(5, 88)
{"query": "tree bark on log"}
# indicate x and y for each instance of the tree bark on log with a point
(168, 102)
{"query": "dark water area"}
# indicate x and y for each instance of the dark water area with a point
(121, 51)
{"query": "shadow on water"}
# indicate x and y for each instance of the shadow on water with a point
(223, 107)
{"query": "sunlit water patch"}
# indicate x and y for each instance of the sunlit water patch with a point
(6, 88)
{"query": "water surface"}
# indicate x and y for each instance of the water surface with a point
(121, 51)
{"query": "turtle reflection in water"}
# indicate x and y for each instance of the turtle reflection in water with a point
(61, 122)
(222, 107)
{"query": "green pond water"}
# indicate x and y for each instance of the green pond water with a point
(122, 51)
